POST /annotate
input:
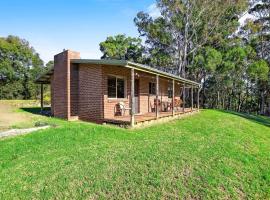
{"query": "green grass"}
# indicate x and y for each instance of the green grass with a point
(211, 155)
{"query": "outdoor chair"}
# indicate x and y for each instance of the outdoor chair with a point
(152, 107)
(177, 104)
(120, 109)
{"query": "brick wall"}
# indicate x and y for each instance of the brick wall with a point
(74, 89)
(109, 104)
(147, 100)
(90, 93)
(61, 83)
(52, 98)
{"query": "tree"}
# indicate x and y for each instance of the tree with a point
(259, 28)
(19, 66)
(257, 34)
(205, 64)
(184, 27)
(122, 48)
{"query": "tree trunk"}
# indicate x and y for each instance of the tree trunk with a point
(268, 106)
(239, 103)
(262, 103)
(218, 100)
(203, 91)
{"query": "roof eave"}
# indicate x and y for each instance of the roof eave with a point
(165, 74)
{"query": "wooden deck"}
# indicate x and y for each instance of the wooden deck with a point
(141, 118)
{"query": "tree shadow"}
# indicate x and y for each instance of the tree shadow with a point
(263, 120)
(37, 110)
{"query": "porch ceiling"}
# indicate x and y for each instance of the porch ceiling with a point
(45, 78)
(136, 66)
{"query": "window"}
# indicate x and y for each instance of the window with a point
(116, 87)
(170, 92)
(152, 88)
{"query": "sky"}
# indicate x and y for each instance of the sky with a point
(80, 25)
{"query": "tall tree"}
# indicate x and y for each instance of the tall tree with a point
(257, 34)
(122, 47)
(19, 66)
(184, 27)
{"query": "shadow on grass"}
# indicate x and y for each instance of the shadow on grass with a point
(37, 111)
(263, 120)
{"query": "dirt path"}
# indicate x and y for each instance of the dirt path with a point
(15, 132)
(9, 117)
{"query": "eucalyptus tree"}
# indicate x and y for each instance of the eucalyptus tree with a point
(185, 26)
(204, 66)
(258, 36)
(261, 34)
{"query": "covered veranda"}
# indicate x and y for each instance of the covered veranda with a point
(44, 79)
(184, 99)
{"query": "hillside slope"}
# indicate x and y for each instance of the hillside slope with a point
(210, 155)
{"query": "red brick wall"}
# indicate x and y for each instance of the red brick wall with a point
(109, 104)
(90, 93)
(52, 98)
(147, 100)
(61, 83)
(74, 89)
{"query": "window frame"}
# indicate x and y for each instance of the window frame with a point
(150, 85)
(170, 91)
(125, 86)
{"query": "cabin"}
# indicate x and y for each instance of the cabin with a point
(116, 91)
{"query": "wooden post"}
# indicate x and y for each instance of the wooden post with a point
(41, 97)
(132, 100)
(173, 98)
(198, 98)
(157, 91)
(192, 98)
(184, 98)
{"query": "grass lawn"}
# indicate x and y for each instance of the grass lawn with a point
(211, 155)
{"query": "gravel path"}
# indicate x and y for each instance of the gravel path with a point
(14, 132)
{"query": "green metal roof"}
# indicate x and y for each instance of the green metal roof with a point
(134, 65)
(45, 78)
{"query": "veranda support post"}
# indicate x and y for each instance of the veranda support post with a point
(157, 94)
(41, 97)
(198, 98)
(184, 97)
(192, 98)
(132, 117)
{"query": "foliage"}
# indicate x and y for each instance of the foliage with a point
(259, 70)
(122, 48)
(184, 27)
(19, 66)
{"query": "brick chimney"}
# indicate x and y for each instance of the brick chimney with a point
(61, 83)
